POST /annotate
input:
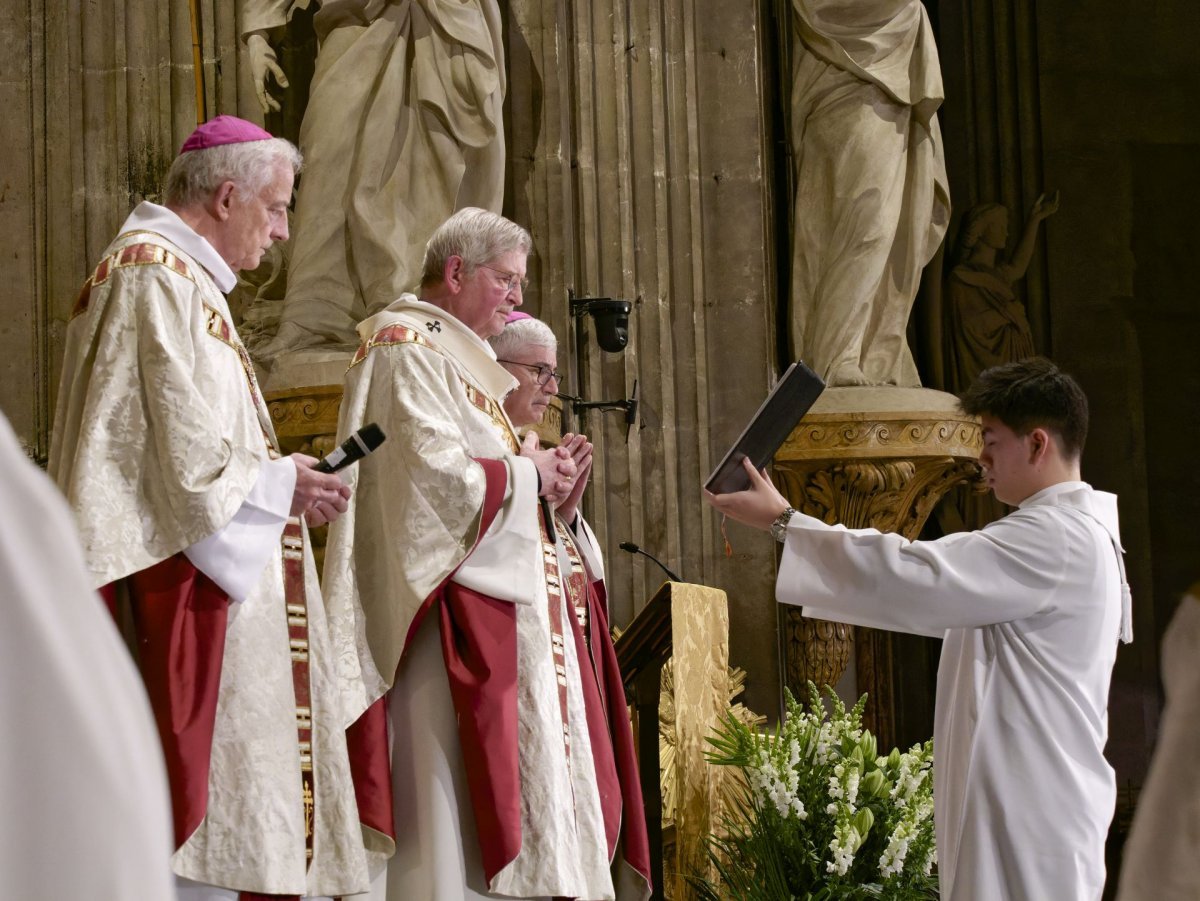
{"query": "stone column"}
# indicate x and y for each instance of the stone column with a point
(637, 155)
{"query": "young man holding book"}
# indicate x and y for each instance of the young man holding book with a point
(1029, 608)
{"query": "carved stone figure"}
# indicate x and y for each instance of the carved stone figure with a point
(403, 126)
(872, 202)
(986, 322)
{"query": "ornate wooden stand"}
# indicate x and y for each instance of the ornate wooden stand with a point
(689, 624)
(868, 457)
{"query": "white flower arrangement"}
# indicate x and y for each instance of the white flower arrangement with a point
(823, 817)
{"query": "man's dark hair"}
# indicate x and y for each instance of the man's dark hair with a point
(1029, 394)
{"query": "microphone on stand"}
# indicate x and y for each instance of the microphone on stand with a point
(634, 549)
(353, 449)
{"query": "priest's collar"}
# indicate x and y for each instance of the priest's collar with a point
(448, 333)
(150, 217)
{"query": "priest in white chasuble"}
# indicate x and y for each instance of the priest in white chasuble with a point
(190, 522)
(528, 349)
(447, 590)
(1030, 610)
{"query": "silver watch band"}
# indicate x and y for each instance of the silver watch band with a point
(779, 526)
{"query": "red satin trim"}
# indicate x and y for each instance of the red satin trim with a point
(179, 617)
(371, 769)
(635, 841)
(479, 645)
(607, 781)
(255, 896)
(496, 483)
(108, 594)
(367, 738)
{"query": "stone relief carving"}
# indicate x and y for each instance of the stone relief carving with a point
(986, 323)
(871, 196)
(403, 126)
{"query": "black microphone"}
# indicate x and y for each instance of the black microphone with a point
(634, 549)
(353, 449)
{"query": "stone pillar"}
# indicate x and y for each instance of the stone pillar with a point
(637, 156)
(877, 458)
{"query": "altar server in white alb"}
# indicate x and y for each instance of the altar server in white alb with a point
(1030, 609)
(190, 520)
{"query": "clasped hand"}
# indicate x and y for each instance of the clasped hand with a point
(562, 470)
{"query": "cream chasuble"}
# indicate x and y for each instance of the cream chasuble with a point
(160, 435)
(86, 813)
(434, 388)
(1162, 855)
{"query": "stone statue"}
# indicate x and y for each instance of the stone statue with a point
(403, 126)
(986, 323)
(871, 202)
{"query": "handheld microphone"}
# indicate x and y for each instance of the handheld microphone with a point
(634, 549)
(353, 449)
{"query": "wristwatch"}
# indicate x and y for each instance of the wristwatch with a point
(779, 526)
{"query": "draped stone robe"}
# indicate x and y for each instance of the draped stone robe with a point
(872, 200)
(404, 125)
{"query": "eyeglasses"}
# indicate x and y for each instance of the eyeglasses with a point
(544, 372)
(511, 279)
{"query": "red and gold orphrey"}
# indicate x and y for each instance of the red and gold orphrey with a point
(297, 621)
(554, 598)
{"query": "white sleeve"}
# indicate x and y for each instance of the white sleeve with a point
(1008, 571)
(507, 562)
(234, 557)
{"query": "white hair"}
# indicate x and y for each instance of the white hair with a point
(476, 236)
(523, 333)
(250, 165)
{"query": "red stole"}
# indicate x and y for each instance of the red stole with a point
(635, 841)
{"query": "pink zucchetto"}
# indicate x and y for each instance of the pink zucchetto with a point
(516, 316)
(223, 130)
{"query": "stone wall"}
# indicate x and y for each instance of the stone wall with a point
(98, 98)
(1117, 90)
(638, 159)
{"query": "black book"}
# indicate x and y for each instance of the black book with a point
(785, 406)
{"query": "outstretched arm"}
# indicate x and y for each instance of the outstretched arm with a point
(1043, 208)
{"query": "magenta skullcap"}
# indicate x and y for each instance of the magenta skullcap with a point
(516, 316)
(223, 130)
